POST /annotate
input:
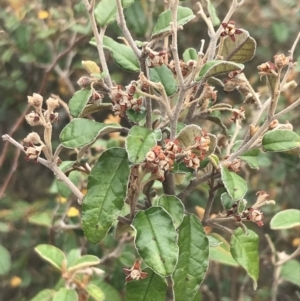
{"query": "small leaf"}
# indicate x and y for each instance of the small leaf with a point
(78, 101)
(240, 51)
(52, 254)
(285, 219)
(84, 262)
(162, 74)
(193, 259)
(73, 256)
(227, 201)
(280, 140)
(5, 261)
(135, 116)
(44, 295)
(184, 15)
(65, 294)
(212, 12)
(95, 292)
(221, 252)
(218, 67)
(91, 67)
(41, 219)
(174, 207)
(234, 184)
(251, 157)
(138, 142)
(106, 192)
(244, 249)
(109, 291)
(190, 54)
(156, 240)
(152, 288)
(290, 272)
(188, 134)
(95, 107)
(123, 55)
(272, 83)
(106, 11)
(81, 132)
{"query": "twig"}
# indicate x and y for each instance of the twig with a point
(288, 109)
(99, 40)
(61, 176)
(122, 24)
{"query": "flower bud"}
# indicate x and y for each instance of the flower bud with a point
(281, 60)
(33, 119)
(84, 82)
(36, 100)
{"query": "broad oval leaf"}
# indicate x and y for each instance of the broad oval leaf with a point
(81, 132)
(156, 240)
(227, 201)
(5, 261)
(106, 192)
(41, 218)
(184, 15)
(213, 14)
(151, 288)
(84, 262)
(280, 140)
(187, 135)
(162, 74)
(234, 184)
(65, 294)
(95, 292)
(78, 101)
(251, 158)
(190, 54)
(52, 254)
(244, 249)
(285, 219)
(174, 207)
(139, 141)
(106, 11)
(218, 67)
(44, 295)
(193, 258)
(240, 51)
(290, 272)
(123, 55)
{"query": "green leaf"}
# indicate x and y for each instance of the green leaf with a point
(234, 184)
(156, 239)
(280, 140)
(244, 249)
(81, 132)
(73, 256)
(5, 261)
(227, 201)
(84, 262)
(152, 288)
(65, 294)
(135, 116)
(106, 11)
(95, 107)
(290, 272)
(251, 157)
(187, 135)
(109, 291)
(221, 252)
(123, 55)
(106, 191)
(52, 254)
(217, 67)
(95, 292)
(184, 15)
(162, 74)
(193, 258)
(41, 219)
(240, 51)
(138, 142)
(78, 101)
(44, 295)
(285, 219)
(212, 12)
(190, 54)
(174, 207)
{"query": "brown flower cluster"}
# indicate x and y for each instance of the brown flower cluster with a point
(124, 100)
(159, 160)
(269, 68)
(230, 30)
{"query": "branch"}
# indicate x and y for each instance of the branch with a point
(60, 175)
(99, 40)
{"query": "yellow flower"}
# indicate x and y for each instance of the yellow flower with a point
(43, 14)
(15, 281)
(72, 212)
(61, 200)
